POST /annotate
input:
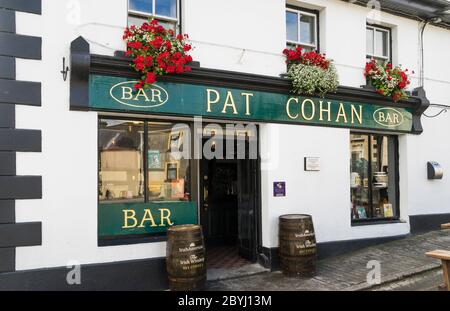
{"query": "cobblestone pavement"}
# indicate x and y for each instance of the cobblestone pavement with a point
(400, 259)
(426, 281)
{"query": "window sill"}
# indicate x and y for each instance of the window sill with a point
(131, 240)
(377, 222)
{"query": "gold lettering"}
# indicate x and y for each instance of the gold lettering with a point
(357, 114)
(388, 118)
(288, 111)
(147, 217)
(247, 102)
(229, 102)
(167, 217)
(381, 117)
(140, 93)
(328, 111)
(210, 100)
(127, 215)
(127, 93)
(396, 120)
(156, 93)
(313, 109)
(341, 113)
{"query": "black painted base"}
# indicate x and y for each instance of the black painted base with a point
(148, 274)
(424, 223)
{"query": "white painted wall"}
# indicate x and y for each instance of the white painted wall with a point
(240, 35)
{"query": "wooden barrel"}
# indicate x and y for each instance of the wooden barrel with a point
(297, 245)
(185, 258)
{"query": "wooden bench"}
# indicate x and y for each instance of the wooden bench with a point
(445, 226)
(444, 256)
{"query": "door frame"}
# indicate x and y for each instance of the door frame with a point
(197, 183)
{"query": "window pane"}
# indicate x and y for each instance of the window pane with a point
(141, 5)
(121, 177)
(166, 8)
(136, 20)
(168, 171)
(307, 29)
(383, 177)
(168, 25)
(381, 38)
(359, 176)
(291, 26)
(369, 41)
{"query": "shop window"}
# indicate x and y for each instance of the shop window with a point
(133, 154)
(121, 161)
(165, 11)
(374, 177)
(378, 43)
(168, 171)
(302, 28)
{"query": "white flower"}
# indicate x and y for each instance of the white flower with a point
(310, 80)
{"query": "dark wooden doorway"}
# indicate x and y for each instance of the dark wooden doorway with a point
(228, 198)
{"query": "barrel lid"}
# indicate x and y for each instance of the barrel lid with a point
(179, 228)
(295, 216)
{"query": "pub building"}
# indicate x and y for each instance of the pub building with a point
(93, 172)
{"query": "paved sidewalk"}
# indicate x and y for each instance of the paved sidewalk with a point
(399, 259)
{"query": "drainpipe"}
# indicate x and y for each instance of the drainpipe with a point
(434, 20)
(421, 56)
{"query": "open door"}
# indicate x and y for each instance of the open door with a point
(247, 185)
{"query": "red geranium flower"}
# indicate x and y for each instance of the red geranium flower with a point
(156, 51)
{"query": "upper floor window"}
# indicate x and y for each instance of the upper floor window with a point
(165, 11)
(378, 43)
(301, 28)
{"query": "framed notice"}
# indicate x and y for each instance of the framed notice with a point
(154, 160)
(171, 171)
(312, 164)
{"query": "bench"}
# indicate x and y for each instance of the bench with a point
(444, 256)
(445, 226)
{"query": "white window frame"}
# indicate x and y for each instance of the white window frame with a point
(299, 12)
(375, 29)
(158, 17)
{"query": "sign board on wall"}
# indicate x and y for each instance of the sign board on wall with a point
(279, 189)
(116, 219)
(110, 93)
(312, 164)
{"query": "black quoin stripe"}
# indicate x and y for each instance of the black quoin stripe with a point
(7, 259)
(7, 164)
(20, 140)
(13, 93)
(20, 187)
(7, 211)
(29, 6)
(7, 67)
(20, 92)
(21, 234)
(20, 46)
(7, 116)
(7, 21)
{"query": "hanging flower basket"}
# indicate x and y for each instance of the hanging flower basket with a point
(310, 72)
(156, 51)
(387, 80)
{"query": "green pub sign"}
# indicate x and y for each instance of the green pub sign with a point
(121, 219)
(163, 98)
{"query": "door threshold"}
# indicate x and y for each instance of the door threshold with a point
(220, 274)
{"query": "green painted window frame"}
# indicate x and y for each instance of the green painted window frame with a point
(151, 237)
(373, 220)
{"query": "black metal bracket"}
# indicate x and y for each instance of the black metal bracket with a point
(65, 70)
